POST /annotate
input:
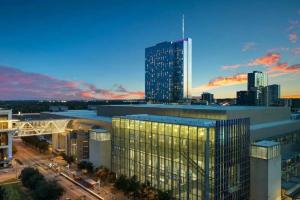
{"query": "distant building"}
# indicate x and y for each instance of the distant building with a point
(271, 95)
(246, 98)
(168, 71)
(5, 138)
(256, 82)
(208, 97)
(257, 79)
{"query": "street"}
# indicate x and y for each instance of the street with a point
(31, 157)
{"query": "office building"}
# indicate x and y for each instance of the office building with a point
(256, 82)
(192, 158)
(246, 98)
(5, 138)
(208, 97)
(168, 71)
(274, 124)
(271, 95)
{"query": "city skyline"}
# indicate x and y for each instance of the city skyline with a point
(58, 50)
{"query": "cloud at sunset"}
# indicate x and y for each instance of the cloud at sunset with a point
(267, 60)
(222, 81)
(18, 84)
(286, 68)
(226, 67)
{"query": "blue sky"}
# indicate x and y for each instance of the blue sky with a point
(102, 43)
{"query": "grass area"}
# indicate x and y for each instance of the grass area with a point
(16, 192)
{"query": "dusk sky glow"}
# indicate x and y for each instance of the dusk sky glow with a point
(95, 49)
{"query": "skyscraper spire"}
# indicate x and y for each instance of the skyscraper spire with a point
(183, 26)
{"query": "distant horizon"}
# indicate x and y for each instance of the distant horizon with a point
(95, 50)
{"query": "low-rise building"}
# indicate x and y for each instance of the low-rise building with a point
(5, 138)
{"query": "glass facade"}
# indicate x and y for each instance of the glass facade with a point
(191, 161)
(3, 122)
(168, 71)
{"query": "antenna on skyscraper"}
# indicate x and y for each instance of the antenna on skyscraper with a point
(183, 26)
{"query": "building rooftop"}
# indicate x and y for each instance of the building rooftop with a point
(99, 130)
(172, 120)
(200, 107)
(274, 124)
(84, 114)
(266, 143)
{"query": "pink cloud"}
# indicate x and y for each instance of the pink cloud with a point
(226, 67)
(18, 84)
(222, 81)
(283, 69)
(267, 60)
(293, 37)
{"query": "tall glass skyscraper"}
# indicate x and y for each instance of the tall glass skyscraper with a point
(168, 71)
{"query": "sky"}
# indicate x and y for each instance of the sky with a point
(78, 49)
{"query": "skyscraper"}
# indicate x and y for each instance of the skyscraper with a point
(256, 82)
(168, 71)
(257, 79)
(271, 94)
(206, 96)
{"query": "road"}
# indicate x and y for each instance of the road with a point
(30, 157)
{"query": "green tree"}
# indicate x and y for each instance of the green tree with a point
(133, 185)
(48, 191)
(161, 195)
(30, 177)
(68, 159)
(87, 165)
(103, 174)
(122, 183)
(3, 195)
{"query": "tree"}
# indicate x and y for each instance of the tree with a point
(3, 195)
(87, 165)
(133, 185)
(121, 183)
(161, 195)
(30, 177)
(68, 159)
(48, 191)
(103, 174)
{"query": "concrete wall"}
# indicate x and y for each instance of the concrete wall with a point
(122, 110)
(259, 116)
(100, 153)
(260, 132)
(265, 181)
